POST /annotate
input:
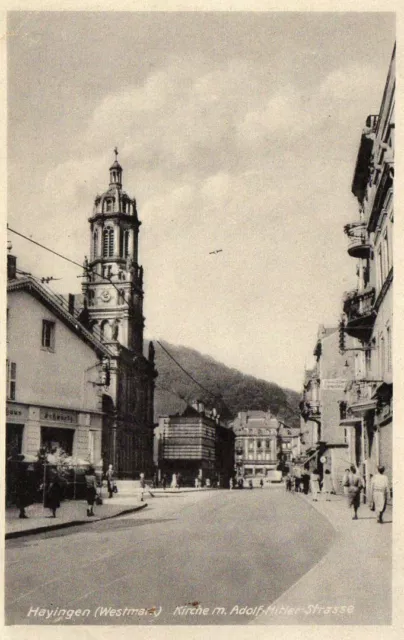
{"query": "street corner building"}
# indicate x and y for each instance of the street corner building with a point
(263, 444)
(197, 444)
(356, 374)
(77, 377)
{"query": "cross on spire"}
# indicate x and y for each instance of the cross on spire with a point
(116, 153)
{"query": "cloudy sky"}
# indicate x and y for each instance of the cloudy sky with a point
(235, 131)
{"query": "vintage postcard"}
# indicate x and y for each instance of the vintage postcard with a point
(199, 321)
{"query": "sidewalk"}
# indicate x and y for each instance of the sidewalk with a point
(356, 572)
(71, 513)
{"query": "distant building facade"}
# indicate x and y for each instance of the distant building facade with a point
(195, 444)
(258, 445)
(325, 443)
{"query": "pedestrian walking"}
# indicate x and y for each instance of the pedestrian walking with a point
(250, 483)
(306, 482)
(91, 490)
(53, 494)
(345, 482)
(110, 476)
(379, 491)
(142, 486)
(327, 487)
(298, 479)
(24, 491)
(354, 490)
(174, 481)
(164, 481)
(261, 483)
(315, 484)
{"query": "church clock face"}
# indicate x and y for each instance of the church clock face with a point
(105, 295)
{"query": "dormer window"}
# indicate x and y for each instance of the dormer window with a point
(108, 206)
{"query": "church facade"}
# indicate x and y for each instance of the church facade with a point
(113, 311)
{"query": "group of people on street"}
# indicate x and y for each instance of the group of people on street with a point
(52, 489)
(353, 486)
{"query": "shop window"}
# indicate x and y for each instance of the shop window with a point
(48, 335)
(53, 438)
(11, 370)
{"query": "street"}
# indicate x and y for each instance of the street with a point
(199, 558)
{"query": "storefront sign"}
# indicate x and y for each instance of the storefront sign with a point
(58, 415)
(16, 413)
(334, 384)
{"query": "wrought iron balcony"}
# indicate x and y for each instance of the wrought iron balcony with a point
(310, 410)
(359, 245)
(358, 308)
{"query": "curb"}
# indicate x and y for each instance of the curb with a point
(71, 523)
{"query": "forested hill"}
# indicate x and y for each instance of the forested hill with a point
(239, 391)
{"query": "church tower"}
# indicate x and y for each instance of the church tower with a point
(113, 311)
(113, 280)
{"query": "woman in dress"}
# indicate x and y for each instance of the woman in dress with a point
(91, 490)
(354, 490)
(53, 495)
(327, 487)
(379, 490)
(110, 481)
(315, 484)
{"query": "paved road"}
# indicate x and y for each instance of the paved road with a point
(203, 552)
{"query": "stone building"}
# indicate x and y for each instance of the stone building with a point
(113, 310)
(368, 309)
(196, 444)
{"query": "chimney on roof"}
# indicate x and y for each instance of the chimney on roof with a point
(71, 303)
(11, 267)
(198, 406)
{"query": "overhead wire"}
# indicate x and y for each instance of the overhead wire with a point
(77, 264)
(108, 279)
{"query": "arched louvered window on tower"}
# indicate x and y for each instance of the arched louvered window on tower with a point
(126, 244)
(108, 243)
(95, 244)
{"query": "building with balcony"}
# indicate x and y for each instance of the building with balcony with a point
(195, 444)
(259, 446)
(324, 444)
(369, 309)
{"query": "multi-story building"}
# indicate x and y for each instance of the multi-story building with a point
(195, 444)
(326, 445)
(257, 447)
(369, 308)
(55, 368)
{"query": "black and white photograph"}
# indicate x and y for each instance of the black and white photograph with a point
(199, 319)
